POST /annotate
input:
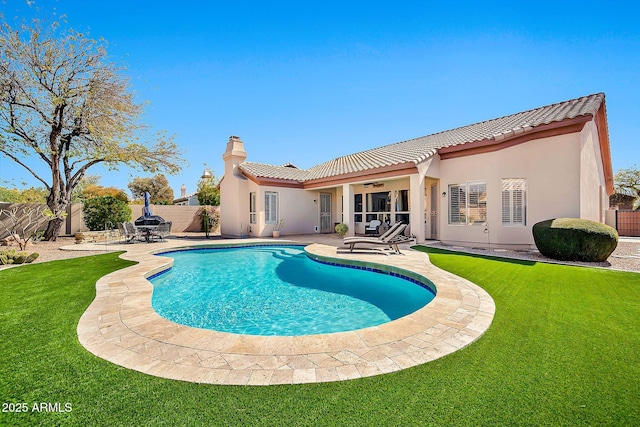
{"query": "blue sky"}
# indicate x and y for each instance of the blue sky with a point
(304, 82)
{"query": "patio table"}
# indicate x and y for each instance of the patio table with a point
(147, 231)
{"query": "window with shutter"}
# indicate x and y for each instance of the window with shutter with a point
(514, 203)
(457, 204)
(252, 208)
(468, 203)
(270, 207)
(477, 203)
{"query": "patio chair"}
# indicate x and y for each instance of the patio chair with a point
(164, 229)
(131, 233)
(392, 240)
(124, 233)
(373, 227)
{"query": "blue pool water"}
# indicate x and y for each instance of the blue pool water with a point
(278, 290)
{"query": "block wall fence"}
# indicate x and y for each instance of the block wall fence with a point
(183, 218)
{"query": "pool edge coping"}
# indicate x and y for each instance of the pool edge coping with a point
(121, 326)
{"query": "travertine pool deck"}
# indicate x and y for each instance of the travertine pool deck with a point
(121, 326)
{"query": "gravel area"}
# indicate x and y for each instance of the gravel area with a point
(625, 257)
(50, 251)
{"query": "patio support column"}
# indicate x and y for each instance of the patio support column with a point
(416, 215)
(347, 208)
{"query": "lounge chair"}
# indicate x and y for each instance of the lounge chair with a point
(391, 229)
(392, 240)
(373, 227)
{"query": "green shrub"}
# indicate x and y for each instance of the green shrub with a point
(342, 229)
(210, 218)
(574, 239)
(105, 211)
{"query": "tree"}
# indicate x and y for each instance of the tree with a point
(85, 182)
(9, 195)
(28, 195)
(628, 182)
(102, 212)
(63, 103)
(208, 191)
(157, 187)
(93, 191)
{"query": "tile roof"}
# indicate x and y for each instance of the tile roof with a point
(286, 172)
(419, 149)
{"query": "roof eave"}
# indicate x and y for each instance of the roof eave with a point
(273, 182)
(605, 147)
(508, 140)
(399, 169)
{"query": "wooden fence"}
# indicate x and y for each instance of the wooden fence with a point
(628, 223)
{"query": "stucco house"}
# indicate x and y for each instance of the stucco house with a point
(477, 185)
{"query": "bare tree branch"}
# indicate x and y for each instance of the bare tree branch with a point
(63, 100)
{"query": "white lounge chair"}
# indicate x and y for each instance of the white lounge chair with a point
(391, 229)
(392, 240)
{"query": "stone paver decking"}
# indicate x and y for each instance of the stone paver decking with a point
(121, 326)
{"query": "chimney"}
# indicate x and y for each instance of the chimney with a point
(235, 148)
(234, 195)
(183, 191)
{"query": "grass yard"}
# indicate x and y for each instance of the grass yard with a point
(564, 349)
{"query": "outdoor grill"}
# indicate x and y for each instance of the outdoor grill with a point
(150, 220)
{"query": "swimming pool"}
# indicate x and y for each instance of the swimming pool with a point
(278, 290)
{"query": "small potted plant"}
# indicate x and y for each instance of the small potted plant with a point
(342, 229)
(277, 227)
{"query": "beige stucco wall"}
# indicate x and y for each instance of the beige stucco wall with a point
(183, 218)
(551, 167)
(297, 207)
(593, 199)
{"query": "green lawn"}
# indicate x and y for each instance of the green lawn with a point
(564, 349)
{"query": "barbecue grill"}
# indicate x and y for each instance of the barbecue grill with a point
(149, 220)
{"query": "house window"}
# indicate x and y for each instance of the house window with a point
(357, 207)
(468, 203)
(514, 201)
(457, 204)
(402, 205)
(379, 206)
(270, 207)
(252, 208)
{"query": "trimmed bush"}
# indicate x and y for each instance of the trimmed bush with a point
(100, 211)
(574, 239)
(342, 229)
